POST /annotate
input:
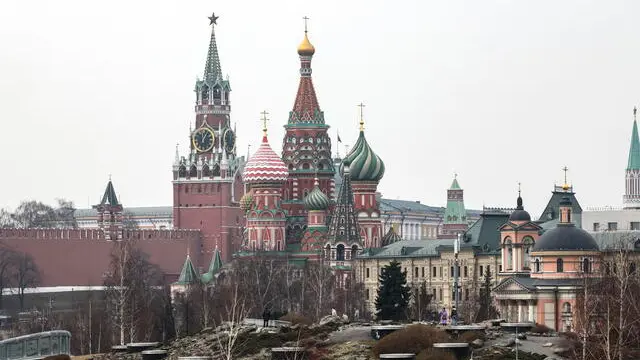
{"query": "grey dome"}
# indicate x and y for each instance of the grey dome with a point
(520, 214)
(566, 237)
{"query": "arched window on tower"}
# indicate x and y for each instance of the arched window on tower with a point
(182, 171)
(586, 265)
(537, 266)
(340, 252)
(528, 246)
(216, 170)
(205, 94)
(193, 172)
(216, 94)
(559, 265)
(508, 244)
(306, 166)
(206, 172)
(354, 251)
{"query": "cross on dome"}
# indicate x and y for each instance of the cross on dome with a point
(361, 106)
(264, 120)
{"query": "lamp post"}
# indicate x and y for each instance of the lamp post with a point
(456, 272)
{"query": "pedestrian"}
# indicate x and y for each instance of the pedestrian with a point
(443, 316)
(454, 316)
(266, 314)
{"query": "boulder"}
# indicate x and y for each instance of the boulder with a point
(547, 344)
(477, 343)
(522, 336)
(330, 320)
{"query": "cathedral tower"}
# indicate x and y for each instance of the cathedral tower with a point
(206, 182)
(631, 199)
(365, 170)
(306, 148)
(455, 215)
(265, 173)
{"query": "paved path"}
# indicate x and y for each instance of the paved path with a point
(353, 333)
(533, 344)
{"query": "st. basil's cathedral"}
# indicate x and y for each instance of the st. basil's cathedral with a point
(289, 201)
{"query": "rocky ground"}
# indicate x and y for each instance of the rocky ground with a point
(335, 339)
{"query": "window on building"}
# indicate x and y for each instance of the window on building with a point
(509, 248)
(559, 265)
(634, 225)
(415, 272)
(466, 294)
(441, 298)
(340, 252)
(366, 294)
(596, 226)
(434, 294)
(566, 308)
(612, 226)
(537, 266)
(528, 246)
(488, 268)
(435, 273)
(451, 274)
(500, 268)
(586, 265)
(441, 271)
(366, 272)
(466, 272)
(423, 271)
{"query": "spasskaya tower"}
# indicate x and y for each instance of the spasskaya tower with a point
(206, 182)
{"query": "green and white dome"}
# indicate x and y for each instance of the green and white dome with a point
(316, 199)
(364, 164)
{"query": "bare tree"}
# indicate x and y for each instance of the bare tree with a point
(35, 214)
(7, 269)
(320, 282)
(236, 309)
(26, 275)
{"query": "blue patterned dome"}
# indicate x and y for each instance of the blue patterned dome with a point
(316, 199)
(364, 164)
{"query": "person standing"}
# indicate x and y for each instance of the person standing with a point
(443, 316)
(454, 316)
(266, 315)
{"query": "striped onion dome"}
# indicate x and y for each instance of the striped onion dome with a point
(265, 166)
(364, 164)
(246, 201)
(316, 199)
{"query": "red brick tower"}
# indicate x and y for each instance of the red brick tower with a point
(365, 170)
(306, 148)
(207, 183)
(265, 173)
(110, 214)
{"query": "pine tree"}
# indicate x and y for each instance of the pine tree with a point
(487, 310)
(393, 293)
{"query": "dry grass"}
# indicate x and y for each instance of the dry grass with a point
(435, 354)
(470, 336)
(540, 329)
(294, 319)
(412, 339)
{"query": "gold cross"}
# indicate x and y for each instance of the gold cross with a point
(565, 169)
(361, 106)
(305, 23)
(264, 121)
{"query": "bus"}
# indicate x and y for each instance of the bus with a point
(36, 346)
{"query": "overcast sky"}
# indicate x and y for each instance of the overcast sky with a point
(497, 91)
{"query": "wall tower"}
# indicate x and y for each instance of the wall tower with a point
(631, 198)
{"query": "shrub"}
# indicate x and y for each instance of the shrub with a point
(412, 339)
(435, 354)
(540, 329)
(470, 336)
(294, 319)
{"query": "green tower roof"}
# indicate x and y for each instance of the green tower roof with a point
(455, 185)
(634, 150)
(188, 275)
(455, 212)
(216, 262)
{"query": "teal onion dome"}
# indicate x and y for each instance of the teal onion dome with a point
(364, 164)
(316, 199)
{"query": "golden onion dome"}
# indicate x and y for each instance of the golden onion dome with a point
(305, 48)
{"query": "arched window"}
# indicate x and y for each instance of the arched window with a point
(566, 308)
(216, 170)
(537, 265)
(586, 265)
(205, 93)
(528, 245)
(206, 172)
(354, 251)
(216, 94)
(340, 252)
(193, 171)
(559, 265)
(182, 172)
(509, 248)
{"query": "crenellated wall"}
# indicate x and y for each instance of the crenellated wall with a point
(81, 257)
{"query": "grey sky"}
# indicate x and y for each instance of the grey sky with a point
(499, 91)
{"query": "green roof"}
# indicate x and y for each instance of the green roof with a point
(455, 185)
(188, 275)
(634, 149)
(552, 210)
(216, 262)
(109, 197)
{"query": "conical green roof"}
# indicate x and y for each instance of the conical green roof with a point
(455, 185)
(188, 275)
(634, 150)
(216, 262)
(109, 197)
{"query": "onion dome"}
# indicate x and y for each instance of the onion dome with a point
(391, 237)
(520, 214)
(246, 201)
(364, 164)
(305, 48)
(316, 199)
(265, 166)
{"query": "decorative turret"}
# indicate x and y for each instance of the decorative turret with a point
(317, 203)
(520, 214)
(214, 268)
(631, 198)
(455, 216)
(265, 166)
(110, 213)
(363, 163)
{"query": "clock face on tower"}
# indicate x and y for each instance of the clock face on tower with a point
(203, 139)
(229, 140)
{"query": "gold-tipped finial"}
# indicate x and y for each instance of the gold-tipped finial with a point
(264, 120)
(565, 186)
(361, 106)
(305, 48)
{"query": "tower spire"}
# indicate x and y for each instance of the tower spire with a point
(634, 149)
(361, 106)
(212, 69)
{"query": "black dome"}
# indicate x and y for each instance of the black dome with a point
(520, 215)
(566, 237)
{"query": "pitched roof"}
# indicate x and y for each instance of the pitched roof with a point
(485, 233)
(188, 275)
(109, 197)
(455, 185)
(551, 211)
(634, 149)
(216, 262)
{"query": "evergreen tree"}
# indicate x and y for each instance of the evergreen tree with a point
(487, 310)
(393, 294)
